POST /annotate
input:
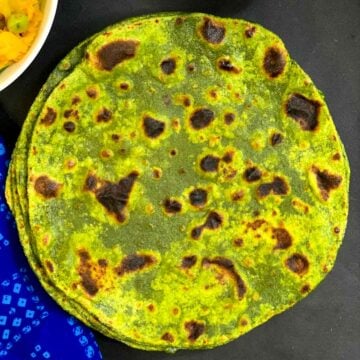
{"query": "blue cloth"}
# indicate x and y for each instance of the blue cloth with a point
(32, 325)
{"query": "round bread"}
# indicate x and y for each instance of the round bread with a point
(179, 181)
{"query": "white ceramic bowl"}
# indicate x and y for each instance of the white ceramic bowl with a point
(11, 73)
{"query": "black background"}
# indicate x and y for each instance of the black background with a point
(324, 37)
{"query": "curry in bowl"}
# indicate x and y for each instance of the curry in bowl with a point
(19, 23)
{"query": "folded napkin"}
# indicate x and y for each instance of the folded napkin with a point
(32, 325)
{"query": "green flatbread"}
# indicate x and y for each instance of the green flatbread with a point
(179, 181)
(16, 195)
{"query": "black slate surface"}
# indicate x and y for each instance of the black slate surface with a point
(324, 37)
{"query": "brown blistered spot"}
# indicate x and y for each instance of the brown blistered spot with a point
(237, 196)
(91, 93)
(173, 152)
(226, 65)
(228, 157)
(49, 117)
(256, 224)
(299, 205)
(49, 265)
(186, 101)
(151, 307)
(46, 187)
(252, 174)
(124, 86)
(168, 66)
(172, 206)
(84, 255)
(188, 261)
(196, 232)
(305, 289)
(191, 67)
(74, 286)
(176, 124)
(212, 31)
(69, 126)
(243, 322)
(228, 266)
(298, 264)
(102, 262)
(116, 52)
(68, 113)
(75, 100)
(250, 31)
(134, 262)
(115, 137)
(229, 118)
(179, 21)
(153, 128)
(90, 183)
(326, 182)
(336, 230)
(167, 337)
(209, 163)
(304, 111)
(175, 311)
(239, 242)
(277, 187)
(213, 221)
(283, 238)
(213, 94)
(106, 154)
(87, 281)
(274, 62)
(198, 197)
(276, 139)
(114, 197)
(195, 329)
(201, 118)
(230, 173)
(336, 157)
(156, 173)
(104, 115)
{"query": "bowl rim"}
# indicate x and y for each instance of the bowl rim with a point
(10, 74)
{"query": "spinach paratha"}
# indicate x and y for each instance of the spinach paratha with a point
(179, 181)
